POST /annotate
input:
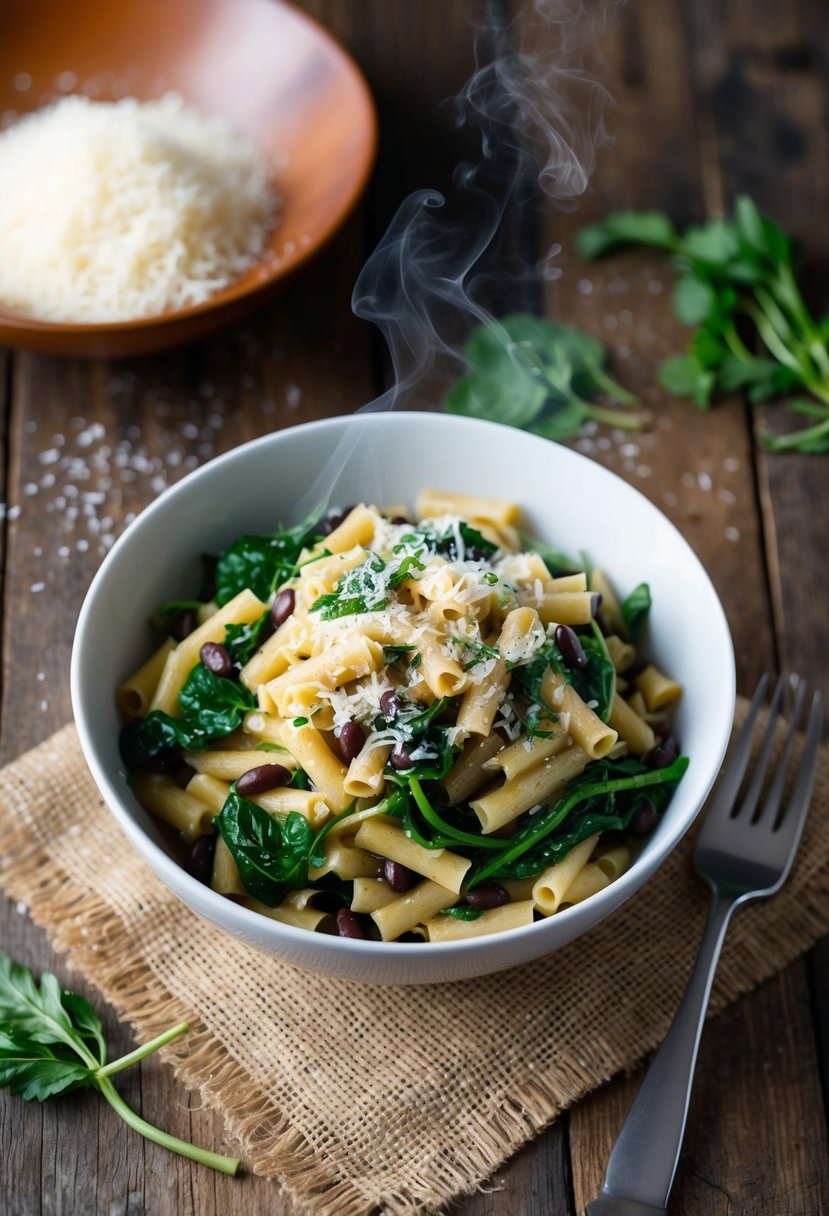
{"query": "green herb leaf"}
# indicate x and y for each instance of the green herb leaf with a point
(737, 282)
(626, 228)
(463, 912)
(685, 376)
(262, 563)
(529, 372)
(211, 707)
(52, 1042)
(693, 300)
(270, 851)
(635, 610)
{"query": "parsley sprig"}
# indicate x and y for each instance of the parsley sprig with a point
(737, 287)
(52, 1042)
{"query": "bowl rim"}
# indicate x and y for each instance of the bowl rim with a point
(18, 323)
(239, 919)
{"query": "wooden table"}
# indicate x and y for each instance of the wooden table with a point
(711, 99)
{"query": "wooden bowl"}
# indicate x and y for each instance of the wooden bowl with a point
(267, 67)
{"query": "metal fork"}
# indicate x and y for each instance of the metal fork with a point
(744, 850)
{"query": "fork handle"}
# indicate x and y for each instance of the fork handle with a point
(641, 1169)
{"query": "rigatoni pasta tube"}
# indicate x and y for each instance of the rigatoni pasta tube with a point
(348, 659)
(525, 753)
(658, 689)
(380, 835)
(481, 700)
(345, 861)
(589, 881)
(475, 507)
(633, 729)
(175, 806)
(225, 877)
(469, 770)
(369, 894)
(231, 765)
(536, 786)
(135, 695)
(552, 885)
(443, 928)
(365, 776)
(306, 743)
(413, 908)
(587, 729)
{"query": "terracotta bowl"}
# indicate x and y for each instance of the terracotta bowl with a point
(264, 65)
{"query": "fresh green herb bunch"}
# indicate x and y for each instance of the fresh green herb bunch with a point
(527, 372)
(52, 1041)
(737, 284)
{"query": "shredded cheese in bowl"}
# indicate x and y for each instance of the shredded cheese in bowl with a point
(112, 211)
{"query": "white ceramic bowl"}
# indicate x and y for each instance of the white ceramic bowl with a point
(568, 500)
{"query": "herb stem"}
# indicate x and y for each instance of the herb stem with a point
(796, 439)
(736, 345)
(226, 1165)
(613, 388)
(554, 816)
(431, 816)
(600, 413)
(108, 1070)
(771, 338)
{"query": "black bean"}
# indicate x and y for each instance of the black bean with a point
(183, 624)
(663, 754)
(282, 607)
(391, 704)
(487, 895)
(645, 819)
(595, 604)
(397, 876)
(348, 924)
(199, 860)
(400, 519)
(351, 739)
(216, 658)
(263, 777)
(400, 758)
(571, 648)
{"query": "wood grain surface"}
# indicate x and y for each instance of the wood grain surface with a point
(710, 99)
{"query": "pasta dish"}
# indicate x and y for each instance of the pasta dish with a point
(404, 728)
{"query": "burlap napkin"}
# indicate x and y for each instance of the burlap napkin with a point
(362, 1098)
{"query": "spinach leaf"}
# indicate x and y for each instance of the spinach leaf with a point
(211, 707)
(463, 912)
(262, 563)
(271, 852)
(635, 610)
(556, 562)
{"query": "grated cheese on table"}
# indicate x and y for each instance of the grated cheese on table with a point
(111, 211)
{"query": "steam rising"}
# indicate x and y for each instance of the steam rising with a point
(539, 112)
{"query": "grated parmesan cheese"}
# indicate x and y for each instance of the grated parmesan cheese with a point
(113, 211)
